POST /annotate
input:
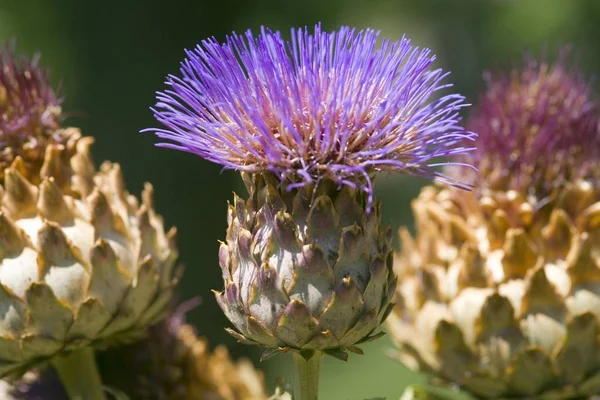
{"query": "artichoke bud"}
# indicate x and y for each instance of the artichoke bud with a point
(508, 305)
(172, 363)
(82, 262)
(305, 269)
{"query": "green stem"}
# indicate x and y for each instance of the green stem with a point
(79, 375)
(307, 376)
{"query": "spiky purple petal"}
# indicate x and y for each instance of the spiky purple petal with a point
(334, 105)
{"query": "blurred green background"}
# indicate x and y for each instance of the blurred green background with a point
(110, 56)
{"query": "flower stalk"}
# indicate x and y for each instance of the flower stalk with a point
(307, 376)
(79, 374)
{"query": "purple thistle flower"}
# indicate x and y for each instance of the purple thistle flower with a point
(28, 103)
(538, 126)
(324, 105)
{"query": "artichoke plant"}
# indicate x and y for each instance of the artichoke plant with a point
(306, 263)
(82, 262)
(171, 363)
(500, 287)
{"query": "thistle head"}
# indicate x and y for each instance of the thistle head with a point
(323, 105)
(538, 127)
(29, 110)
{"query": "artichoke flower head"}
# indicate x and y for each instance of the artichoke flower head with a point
(171, 363)
(306, 264)
(500, 289)
(82, 262)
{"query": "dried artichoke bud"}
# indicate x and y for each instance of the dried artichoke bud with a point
(82, 262)
(500, 287)
(171, 363)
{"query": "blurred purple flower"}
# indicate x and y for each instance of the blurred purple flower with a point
(538, 126)
(324, 105)
(27, 101)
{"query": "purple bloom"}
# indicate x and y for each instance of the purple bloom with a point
(538, 126)
(28, 105)
(324, 105)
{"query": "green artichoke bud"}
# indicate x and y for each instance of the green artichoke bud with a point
(305, 269)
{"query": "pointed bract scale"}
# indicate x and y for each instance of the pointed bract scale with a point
(20, 197)
(230, 304)
(56, 248)
(296, 326)
(62, 265)
(12, 238)
(116, 180)
(55, 167)
(576, 197)
(559, 234)
(499, 225)
(498, 320)
(148, 196)
(47, 316)
(428, 286)
(470, 268)
(51, 203)
(578, 355)
(520, 254)
(135, 301)
(109, 281)
(240, 210)
(313, 280)
(530, 371)
(541, 297)
(452, 351)
(148, 235)
(582, 266)
(349, 210)
(91, 317)
(457, 232)
(353, 254)
(19, 165)
(83, 167)
(224, 261)
(286, 232)
(300, 209)
(361, 329)
(12, 317)
(267, 299)
(323, 225)
(261, 334)
(102, 217)
(377, 279)
(272, 200)
(346, 302)
(337, 353)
